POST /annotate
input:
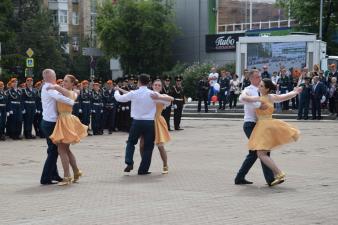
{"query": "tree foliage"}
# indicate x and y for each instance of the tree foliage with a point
(307, 13)
(29, 26)
(140, 33)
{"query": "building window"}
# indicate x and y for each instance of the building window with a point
(55, 17)
(63, 17)
(93, 6)
(75, 19)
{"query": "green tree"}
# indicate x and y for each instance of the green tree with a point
(140, 33)
(39, 34)
(33, 28)
(307, 13)
(6, 10)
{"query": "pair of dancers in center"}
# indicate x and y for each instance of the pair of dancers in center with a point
(162, 135)
(68, 130)
(270, 133)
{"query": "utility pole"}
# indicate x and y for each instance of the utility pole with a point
(250, 14)
(321, 20)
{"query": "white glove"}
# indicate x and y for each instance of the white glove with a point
(102, 111)
(80, 110)
(23, 111)
(11, 112)
(123, 108)
(93, 111)
(7, 113)
(323, 99)
(38, 111)
(127, 108)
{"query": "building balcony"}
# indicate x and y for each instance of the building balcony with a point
(242, 27)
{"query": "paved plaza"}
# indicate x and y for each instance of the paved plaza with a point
(199, 189)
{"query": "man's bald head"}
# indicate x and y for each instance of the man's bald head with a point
(49, 76)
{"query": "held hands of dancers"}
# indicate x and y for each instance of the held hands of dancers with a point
(158, 96)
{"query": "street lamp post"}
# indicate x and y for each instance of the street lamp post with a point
(321, 21)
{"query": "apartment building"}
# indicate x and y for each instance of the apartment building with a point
(76, 22)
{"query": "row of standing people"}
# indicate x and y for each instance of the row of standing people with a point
(230, 88)
(21, 108)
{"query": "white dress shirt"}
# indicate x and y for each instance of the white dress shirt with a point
(143, 107)
(49, 99)
(250, 107)
(213, 82)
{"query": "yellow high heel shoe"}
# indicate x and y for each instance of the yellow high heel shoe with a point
(165, 170)
(77, 176)
(65, 181)
(280, 178)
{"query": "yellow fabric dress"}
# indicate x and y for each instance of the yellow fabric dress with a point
(270, 133)
(161, 128)
(68, 128)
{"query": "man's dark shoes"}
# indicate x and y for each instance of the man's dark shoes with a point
(128, 168)
(144, 173)
(48, 182)
(244, 181)
(57, 178)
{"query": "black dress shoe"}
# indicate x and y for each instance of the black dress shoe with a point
(2, 138)
(306, 118)
(239, 182)
(179, 129)
(30, 137)
(110, 132)
(48, 182)
(58, 178)
(144, 173)
(128, 168)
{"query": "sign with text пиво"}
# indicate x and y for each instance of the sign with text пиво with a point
(221, 42)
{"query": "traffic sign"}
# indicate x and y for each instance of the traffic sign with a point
(30, 52)
(29, 62)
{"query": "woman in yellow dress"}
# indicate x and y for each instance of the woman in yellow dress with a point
(162, 135)
(68, 130)
(268, 132)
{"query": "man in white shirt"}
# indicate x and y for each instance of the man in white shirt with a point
(249, 124)
(143, 109)
(213, 77)
(49, 117)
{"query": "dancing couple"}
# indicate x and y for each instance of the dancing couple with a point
(60, 127)
(148, 124)
(267, 133)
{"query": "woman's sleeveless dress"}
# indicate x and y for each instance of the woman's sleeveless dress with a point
(270, 133)
(68, 128)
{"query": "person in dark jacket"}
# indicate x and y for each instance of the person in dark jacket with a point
(224, 83)
(318, 96)
(304, 99)
(202, 93)
(14, 110)
(3, 111)
(167, 90)
(29, 95)
(109, 107)
(38, 114)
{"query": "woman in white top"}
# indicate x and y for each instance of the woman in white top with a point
(235, 90)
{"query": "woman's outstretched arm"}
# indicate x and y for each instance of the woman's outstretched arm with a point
(285, 97)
